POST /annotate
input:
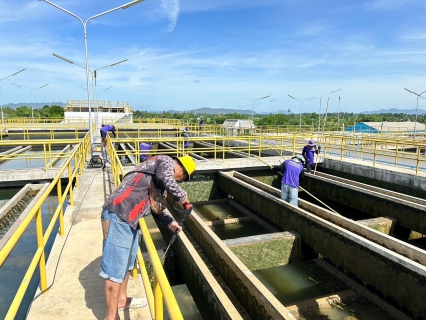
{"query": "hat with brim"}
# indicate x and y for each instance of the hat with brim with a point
(311, 143)
(299, 158)
(188, 163)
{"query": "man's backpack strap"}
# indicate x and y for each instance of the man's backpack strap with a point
(146, 171)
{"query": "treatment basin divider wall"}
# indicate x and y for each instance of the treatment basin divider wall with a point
(257, 300)
(212, 302)
(397, 278)
(408, 214)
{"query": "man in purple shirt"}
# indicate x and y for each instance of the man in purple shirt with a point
(104, 131)
(144, 148)
(308, 154)
(292, 173)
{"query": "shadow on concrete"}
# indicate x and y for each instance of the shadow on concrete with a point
(93, 286)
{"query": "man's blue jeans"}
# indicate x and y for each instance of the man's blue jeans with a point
(289, 194)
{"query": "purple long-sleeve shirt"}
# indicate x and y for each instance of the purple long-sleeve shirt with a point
(292, 172)
(308, 153)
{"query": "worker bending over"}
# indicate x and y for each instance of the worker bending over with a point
(292, 173)
(104, 131)
(136, 197)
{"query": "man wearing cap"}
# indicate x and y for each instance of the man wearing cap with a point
(308, 154)
(121, 213)
(292, 173)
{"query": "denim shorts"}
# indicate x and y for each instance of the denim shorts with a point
(120, 248)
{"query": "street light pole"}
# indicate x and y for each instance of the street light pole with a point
(72, 62)
(110, 65)
(319, 115)
(300, 113)
(95, 94)
(417, 106)
(253, 105)
(97, 109)
(31, 96)
(124, 6)
(1, 104)
(92, 73)
(338, 115)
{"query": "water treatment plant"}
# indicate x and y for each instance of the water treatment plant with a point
(353, 248)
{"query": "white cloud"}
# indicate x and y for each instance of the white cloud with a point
(170, 9)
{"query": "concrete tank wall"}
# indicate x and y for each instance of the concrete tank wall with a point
(397, 278)
(378, 174)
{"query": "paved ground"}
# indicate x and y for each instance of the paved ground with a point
(78, 290)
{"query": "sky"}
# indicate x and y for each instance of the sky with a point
(189, 54)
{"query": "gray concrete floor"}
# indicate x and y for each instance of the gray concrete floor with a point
(78, 290)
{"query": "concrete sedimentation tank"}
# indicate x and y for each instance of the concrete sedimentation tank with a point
(359, 260)
(246, 254)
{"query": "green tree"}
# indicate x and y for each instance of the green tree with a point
(23, 112)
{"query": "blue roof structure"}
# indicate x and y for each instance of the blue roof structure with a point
(362, 127)
(386, 127)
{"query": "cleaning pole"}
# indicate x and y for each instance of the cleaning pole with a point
(185, 213)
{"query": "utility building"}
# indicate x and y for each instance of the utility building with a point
(237, 126)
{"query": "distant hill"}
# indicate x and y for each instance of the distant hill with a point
(214, 111)
(393, 110)
(36, 105)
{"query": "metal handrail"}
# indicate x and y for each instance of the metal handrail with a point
(39, 259)
(343, 146)
(161, 284)
(46, 153)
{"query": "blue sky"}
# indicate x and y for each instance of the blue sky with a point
(189, 54)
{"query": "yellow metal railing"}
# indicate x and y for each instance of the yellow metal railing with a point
(388, 151)
(39, 259)
(161, 288)
(407, 153)
(46, 153)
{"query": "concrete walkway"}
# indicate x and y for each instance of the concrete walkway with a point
(78, 290)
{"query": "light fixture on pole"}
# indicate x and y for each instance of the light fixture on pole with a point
(300, 113)
(31, 96)
(72, 62)
(1, 104)
(417, 106)
(319, 114)
(95, 97)
(124, 6)
(94, 94)
(253, 105)
(110, 65)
